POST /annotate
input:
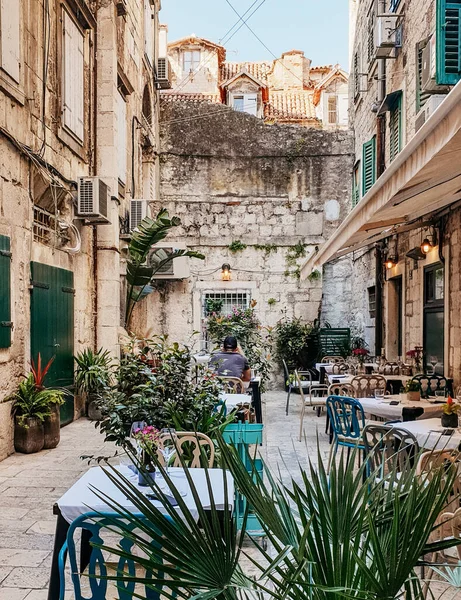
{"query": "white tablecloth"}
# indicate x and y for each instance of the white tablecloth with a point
(80, 499)
(231, 400)
(383, 409)
(428, 434)
(348, 378)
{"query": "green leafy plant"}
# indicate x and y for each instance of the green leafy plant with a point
(93, 371)
(412, 386)
(213, 305)
(139, 270)
(266, 248)
(272, 301)
(291, 337)
(293, 254)
(31, 402)
(450, 407)
(333, 535)
(39, 373)
(314, 276)
(236, 246)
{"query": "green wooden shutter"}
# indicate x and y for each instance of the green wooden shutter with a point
(368, 165)
(395, 129)
(448, 41)
(356, 184)
(5, 292)
(356, 75)
(421, 95)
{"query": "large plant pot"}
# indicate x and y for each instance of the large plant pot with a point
(30, 437)
(94, 412)
(413, 396)
(450, 420)
(52, 428)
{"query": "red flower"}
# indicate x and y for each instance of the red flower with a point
(360, 351)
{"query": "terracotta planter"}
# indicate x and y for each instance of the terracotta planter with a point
(30, 437)
(450, 420)
(413, 396)
(52, 428)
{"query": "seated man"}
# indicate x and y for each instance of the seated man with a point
(229, 362)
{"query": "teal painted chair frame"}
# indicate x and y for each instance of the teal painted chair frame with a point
(347, 421)
(94, 523)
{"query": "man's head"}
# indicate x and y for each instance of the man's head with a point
(230, 344)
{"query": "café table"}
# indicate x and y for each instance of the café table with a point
(80, 499)
(429, 434)
(406, 411)
(232, 400)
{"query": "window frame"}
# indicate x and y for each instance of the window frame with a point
(245, 96)
(8, 84)
(443, 77)
(192, 52)
(330, 111)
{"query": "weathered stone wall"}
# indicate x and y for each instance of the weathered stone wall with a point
(230, 177)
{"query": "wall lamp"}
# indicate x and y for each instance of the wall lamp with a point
(390, 262)
(391, 258)
(226, 272)
(429, 242)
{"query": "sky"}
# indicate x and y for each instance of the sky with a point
(318, 27)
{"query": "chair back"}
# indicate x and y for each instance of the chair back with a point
(341, 389)
(332, 359)
(452, 522)
(390, 368)
(365, 385)
(233, 385)
(101, 527)
(430, 383)
(194, 448)
(339, 368)
(346, 417)
(303, 381)
(388, 448)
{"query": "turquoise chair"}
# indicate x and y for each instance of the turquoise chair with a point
(92, 525)
(347, 421)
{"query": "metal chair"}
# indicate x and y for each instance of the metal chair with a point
(340, 368)
(365, 385)
(292, 385)
(347, 421)
(429, 384)
(388, 448)
(341, 389)
(97, 525)
(332, 359)
(390, 368)
(316, 399)
(193, 445)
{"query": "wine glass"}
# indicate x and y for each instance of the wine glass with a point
(433, 360)
(168, 447)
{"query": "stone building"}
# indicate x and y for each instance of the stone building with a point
(397, 251)
(254, 196)
(78, 91)
(286, 90)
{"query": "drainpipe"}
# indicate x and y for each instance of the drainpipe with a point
(93, 172)
(379, 299)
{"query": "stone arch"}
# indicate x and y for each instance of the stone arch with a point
(147, 104)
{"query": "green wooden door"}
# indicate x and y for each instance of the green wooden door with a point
(52, 327)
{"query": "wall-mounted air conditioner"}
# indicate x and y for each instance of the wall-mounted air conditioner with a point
(138, 212)
(163, 66)
(386, 28)
(430, 106)
(429, 69)
(175, 269)
(93, 200)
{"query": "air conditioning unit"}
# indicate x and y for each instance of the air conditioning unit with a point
(163, 73)
(177, 268)
(429, 69)
(430, 106)
(138, 212)
(386, 28)
(93, 200)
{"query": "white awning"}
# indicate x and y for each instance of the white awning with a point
(423, 178)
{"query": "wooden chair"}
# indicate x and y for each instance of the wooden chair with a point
(233, 385)
(292, 386)
(341, 389)
(390, 368)
(340, 368)
(332, 359)
(316, 398)
(189, 444)
(388, 448)
(365, 385)
(429, 384)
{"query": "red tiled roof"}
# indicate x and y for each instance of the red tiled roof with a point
(322, 68)
(172, 96)
(258, 70)
(290, 106)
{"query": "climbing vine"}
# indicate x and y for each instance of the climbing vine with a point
(294, 253)
(236, 246)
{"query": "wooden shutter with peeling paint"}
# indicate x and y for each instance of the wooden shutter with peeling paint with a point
(448, 41)
(368, 165)
(73, 76)
(395, 129)
(5, 292)
(10, 37)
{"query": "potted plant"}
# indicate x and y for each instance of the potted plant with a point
(92, 376)
(52, 422)
(413, 390)
(147, 440)
(31, 406)
(360, 354)
(450, 413)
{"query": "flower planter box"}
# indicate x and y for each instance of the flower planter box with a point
(243, 433)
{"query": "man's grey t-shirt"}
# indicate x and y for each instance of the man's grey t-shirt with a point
(229, 364)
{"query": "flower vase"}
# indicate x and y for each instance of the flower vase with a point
(450, 420)
(361, 368)
(147, 473)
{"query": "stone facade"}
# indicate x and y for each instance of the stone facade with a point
(279, 190)
(42, 157)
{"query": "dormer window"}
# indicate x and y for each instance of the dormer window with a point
(191, 60)
(246, 103)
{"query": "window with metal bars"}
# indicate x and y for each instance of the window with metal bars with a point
(236, 298)
(395, 129)
(372, 301)
(46, 229)
(368, 164)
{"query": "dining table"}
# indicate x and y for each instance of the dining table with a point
(82, 498)
(430, 434)
(404, 410)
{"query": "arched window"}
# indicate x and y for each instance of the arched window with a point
(147, 104)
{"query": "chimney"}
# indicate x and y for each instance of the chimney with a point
(296, 70)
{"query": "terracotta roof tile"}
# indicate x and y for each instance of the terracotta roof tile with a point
(172, 96)
(290, 106)
(259, 70)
